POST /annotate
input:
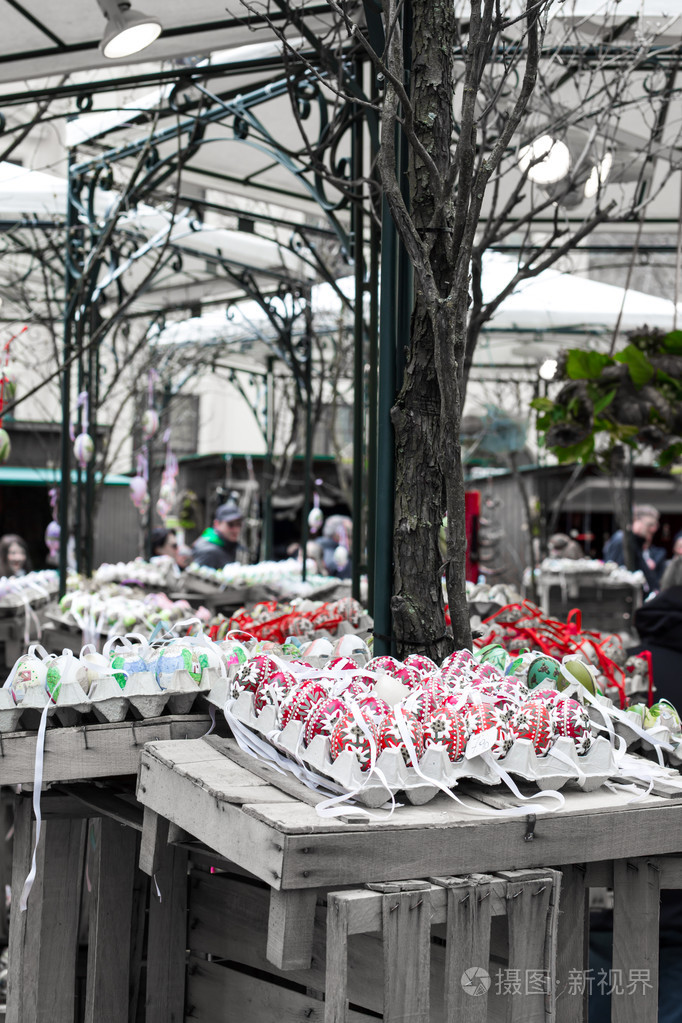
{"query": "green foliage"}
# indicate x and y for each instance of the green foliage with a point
(632, 399)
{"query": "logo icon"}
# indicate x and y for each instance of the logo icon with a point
(475, 980)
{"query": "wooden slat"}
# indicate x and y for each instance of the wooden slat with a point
(528, 904)
(636, 894)
(291, 923)
(407, 947)
(90, 751)
(325, 860)
(219, 824)
(572, 944)
(44, 944)
(110, 923)
(336, 974)
(286, 782)
(153, 842)
(211, 988)
(167, 940)
(469, 914)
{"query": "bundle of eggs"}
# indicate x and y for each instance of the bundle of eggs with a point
(411, 706)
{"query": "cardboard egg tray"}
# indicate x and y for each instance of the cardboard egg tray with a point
(588, 771)
(106, 700)
(625, 724)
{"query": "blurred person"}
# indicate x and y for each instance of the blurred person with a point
(184, 555)
(164, 543)
(336, 539)
(219, 544)
(645, 523)
(14, 559)
(561, 545)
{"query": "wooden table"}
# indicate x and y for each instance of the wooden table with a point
(266, 824)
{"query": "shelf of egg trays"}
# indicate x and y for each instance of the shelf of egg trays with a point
(133, 678)
(311, 722)
(655, 730)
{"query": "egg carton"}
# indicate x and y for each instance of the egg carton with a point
(588, 771)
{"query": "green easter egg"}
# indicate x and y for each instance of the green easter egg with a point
(543, 671)
(53, 682)
(580, 672)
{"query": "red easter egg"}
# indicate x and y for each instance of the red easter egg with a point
(533, 721)
(458, 659)
(301, 699)
(453, 702)
(390, 737)
(249, 676)
(410, 677)
(273, 690)
(570, 718)
(344, 663)
(387, 665)
(373, 705)
(322, 718)
(421, 662)
(422, 702)
(483, 718)
(447, 729)
(347, 734)
(355, 688)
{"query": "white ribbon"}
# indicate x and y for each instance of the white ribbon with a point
(37, 787)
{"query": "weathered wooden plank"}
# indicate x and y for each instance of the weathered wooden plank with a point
(43, 949)
(354, 857)
(286, 782)
(530, 975)
(153, 842)
(572, 945)
(167, 940)
(407, 947)
(469, 913)
(89, 751)
(19, 953)
(108, 966)
(217, 993)
(291, 922)
(336, 974)
(219, 824)
(636, 892)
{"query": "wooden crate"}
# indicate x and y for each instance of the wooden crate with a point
(426, 951)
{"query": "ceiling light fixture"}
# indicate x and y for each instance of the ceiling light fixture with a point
(127, 31)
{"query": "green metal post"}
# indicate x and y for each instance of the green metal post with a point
(65, 481)
(385, 468)
(357, 232)
(308, 464)
(267, 544)
(372, 399)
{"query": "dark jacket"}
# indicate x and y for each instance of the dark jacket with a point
(212, 550)
(614, 550)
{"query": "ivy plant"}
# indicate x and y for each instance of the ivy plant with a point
(632, 398)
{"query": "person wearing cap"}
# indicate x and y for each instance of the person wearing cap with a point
(218, 545)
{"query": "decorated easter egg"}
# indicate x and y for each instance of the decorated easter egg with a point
(150, 422)
(447, 729)
(569, 718)
(543, 671)
(390, 737)
(315, 519)
(386, 664)
(422, 701)
(498, 738)
(493, 654)
(301, 699)
(248, 677)
(360, 740)
(373, 705)
(662, 715)
(29, 672)
(83, 448)
(180, 657)
(533, 721)
(127, 662)
(273, 690)
(341, 664)
(322, 717)
(573, 670)
(421, 662)
(5, 445)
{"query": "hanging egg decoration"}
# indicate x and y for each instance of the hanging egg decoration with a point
(10, 375)
(52, 535)
(315, 519)
(139, 493)
(340, 557)
(83, 449)
(5, 445)
(150, 422)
